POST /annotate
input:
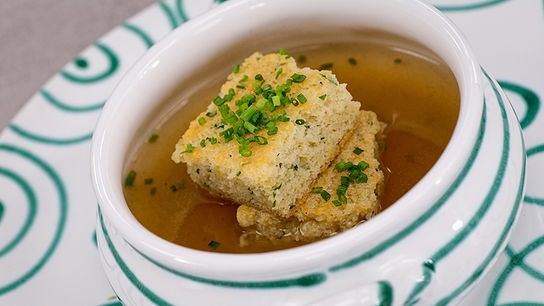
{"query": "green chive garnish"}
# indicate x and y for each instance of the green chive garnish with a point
(278, 73)
(177, 186)
(325, 66)
(148, 181)
(302, 98)
(214, 244)
(322, 97)
(300, 121)
(131, 177)
(352, 61)
(358, 151)
(189, 148)
(153, 138)
(236, 68)
(201, 120)
(298, 78)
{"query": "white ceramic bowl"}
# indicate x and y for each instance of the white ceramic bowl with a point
(431, 246)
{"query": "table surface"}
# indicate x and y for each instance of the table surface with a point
(39, 37)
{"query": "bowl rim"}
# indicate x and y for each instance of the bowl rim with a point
(246, 266)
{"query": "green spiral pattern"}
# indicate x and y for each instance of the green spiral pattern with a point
(471, 5)
(33, 201)
(105, 61)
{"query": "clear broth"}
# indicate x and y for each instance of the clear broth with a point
(411, 90)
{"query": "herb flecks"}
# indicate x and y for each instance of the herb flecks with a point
(130, 178)
(214, 244)
(177, 186)
(355, 175)
(153, 138)
(246, 119)
(325, 66)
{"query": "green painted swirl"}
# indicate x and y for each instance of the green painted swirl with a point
(47, 139)
(466, 7)
(176, 16)
(83, 64)
(148, 293)
(517, 260)
(67, 107)
(2, 208)
(386, 293)
(146, 38)
(59, 230)
(32, 209)
(303, 281)
(531, 199)
(530, 98)
(491, 195)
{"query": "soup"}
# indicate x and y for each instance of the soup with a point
(410, 89)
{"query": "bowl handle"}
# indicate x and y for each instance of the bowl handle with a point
(405, 282)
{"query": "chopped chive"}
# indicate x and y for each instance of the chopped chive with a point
(211, 114)
(203, 143)
(397, 61)
(153, 138)
(218, 101)
(201, 120)
(330, 79)
(239, 172)
(236, 68)
(298, 78)
(278, 73)
(131, 177)
(358, 151)
(276, 101)
(325, 66)
(352, 61)
(212, 140)
(282, 52)
(300, 121)
(240, 86)
(362, 165)
(301, 59)
(343, 166)
(325, 195)
(153, 190)
(214, 244)
(302, 98)
(189, 148)
(245, 151)
(322, 97)
(178, 186)
(336, 203)
(148, 181)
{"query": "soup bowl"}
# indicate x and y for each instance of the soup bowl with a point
(431, 246)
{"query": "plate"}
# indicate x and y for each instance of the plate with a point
(48, 209)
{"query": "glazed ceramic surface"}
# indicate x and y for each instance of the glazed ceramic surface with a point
(463, 210)
(48, 209)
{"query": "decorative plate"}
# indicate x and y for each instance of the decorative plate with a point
(48, 209)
